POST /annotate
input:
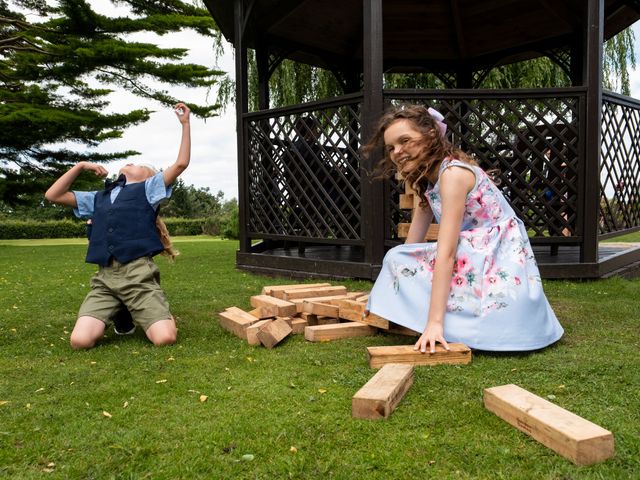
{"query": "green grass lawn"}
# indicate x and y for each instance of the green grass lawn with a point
(286, 412)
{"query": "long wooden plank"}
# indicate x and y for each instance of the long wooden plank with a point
(285, 309)
(276, 290)
(431, 235)
(383, 392)
(573, 437)
(354, 311)
(396, 329)
(326, 333)
(236, 321)
(299, 302)
(314, 292)
(459, 353)
(323, 309)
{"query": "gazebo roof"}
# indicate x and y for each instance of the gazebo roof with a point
(419, 34)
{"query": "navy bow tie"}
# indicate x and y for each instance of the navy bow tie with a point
(118, 182)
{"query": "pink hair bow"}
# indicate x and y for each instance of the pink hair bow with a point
(439, 119)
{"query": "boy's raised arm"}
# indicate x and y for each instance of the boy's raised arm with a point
(184, 154)
(59, 191)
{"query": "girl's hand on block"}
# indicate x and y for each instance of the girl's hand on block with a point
(182, 112)
(431, 336)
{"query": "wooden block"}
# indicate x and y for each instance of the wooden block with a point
(314, 292)
(326, 320)
(362, 299)
(273, 332)
(299, 302)
(252, 331)
(354, 311)
(406, 201)
(298, 325)
(382, 393)
(431, 235)
(396, 329)
(275, 290)
(303, 315)
(379, 356)
(284, 308)
(325, 333)
(323, 309)
(573, 437)
(264, 312)
(236, 321)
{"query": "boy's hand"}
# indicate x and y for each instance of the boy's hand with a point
(99, 170)
(182, 112)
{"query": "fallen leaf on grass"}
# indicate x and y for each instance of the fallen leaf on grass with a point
(322, 390)
(164, 380)
(40, 390)
(106, 414)
(247, 457)
(203, 398)
(293, 450)
(3, 402)
(170, 359)
(125, 405)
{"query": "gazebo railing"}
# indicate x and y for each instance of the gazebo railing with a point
(304, 172)
(620, 166)
(532, 139)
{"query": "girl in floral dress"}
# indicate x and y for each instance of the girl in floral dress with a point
(479, 283)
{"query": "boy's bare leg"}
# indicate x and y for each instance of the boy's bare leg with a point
(86, 332)
(163, 332)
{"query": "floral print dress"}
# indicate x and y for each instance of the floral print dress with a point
(496, 301)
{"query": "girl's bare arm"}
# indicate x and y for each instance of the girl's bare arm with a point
(59, 191)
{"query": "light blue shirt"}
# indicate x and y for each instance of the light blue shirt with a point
(154, 188)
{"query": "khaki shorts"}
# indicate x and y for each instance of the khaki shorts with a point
(136, 285)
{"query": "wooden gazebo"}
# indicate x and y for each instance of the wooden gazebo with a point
(569, 157)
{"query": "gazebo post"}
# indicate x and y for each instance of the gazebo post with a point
(262, 62)
(242, 107)
(592, 78)
(372, 191)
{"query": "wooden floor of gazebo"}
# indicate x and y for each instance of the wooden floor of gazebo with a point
(613, 259)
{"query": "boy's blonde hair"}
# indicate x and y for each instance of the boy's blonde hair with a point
(161, 227)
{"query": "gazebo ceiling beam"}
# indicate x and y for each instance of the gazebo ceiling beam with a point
(266, 20)
(563, 13)
(457, 27)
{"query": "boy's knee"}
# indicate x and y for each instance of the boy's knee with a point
(81, 342)
(165, 338)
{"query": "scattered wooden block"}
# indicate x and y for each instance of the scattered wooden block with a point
(299, 302)
(298, 325)
(573, 437)
(264, 312)
(317, 308)
(382, 393)
(406, 201)
(284, 308)
(273, 332)
(252, 331)
(325, 333)
(362, 299)
(278, 290)
(236, 321)
(396, 329)
(379, 356)
(326, 320)
(314, 292)
(354, 311)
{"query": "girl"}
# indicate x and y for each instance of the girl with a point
(479, 283)
(125, 234)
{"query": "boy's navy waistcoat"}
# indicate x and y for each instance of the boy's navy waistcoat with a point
(125, 229)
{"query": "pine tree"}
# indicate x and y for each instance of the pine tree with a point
(57, 70)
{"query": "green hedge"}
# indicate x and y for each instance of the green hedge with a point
(15, 229)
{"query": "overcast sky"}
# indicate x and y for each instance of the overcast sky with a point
(213, 156)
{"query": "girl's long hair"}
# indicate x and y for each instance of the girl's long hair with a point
(418, 171)
(161, 227)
